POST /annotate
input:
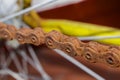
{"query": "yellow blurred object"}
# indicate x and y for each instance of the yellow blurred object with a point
(67, 27)
(71, 28)
(115, 41)
(27, 3)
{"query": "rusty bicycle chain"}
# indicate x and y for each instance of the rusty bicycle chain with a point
(91, 51)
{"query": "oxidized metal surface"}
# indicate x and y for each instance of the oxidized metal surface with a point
(7, 31)
(36, 37)
(90, 51)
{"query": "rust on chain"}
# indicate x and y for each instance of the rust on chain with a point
(112, 56)
(93, 51)
(90, 51)
(53, 38)
(22, 34)
(2, 25)
(71, 46)
(36, 37)
(7, 31)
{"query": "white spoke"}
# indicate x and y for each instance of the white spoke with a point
(44, 3)
(25, 68)
(13, 74)
(99, 37)
(8, 61)
(38, 64)
(26, 58)
(16, 61)
(80, 65)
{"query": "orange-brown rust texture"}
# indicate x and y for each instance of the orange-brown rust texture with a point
(12, 30)
(36, 37)
(2, 25)
(91, 51)
(72, 46)
(22, 35)
(7, 31)
(53, 39)
(69, 45)
(112, 56)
